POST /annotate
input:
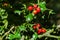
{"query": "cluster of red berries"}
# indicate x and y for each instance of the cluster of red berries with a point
(35, 9)
(39, 28)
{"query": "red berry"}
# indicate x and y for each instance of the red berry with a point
(39, 31)
(34, 27)
(43, 30)
(35, 12)
(38, 25)
(35, 6)
(38, 9)
(30, 8)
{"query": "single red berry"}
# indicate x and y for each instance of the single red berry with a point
(38, 25)
(34, 27)
(30, 8)
(39, 31)
(43, 30)
(35, 12)
(35, 6)
(38, 9)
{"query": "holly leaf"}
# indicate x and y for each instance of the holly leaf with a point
(11, 36)
(5, 23)
(43, 16)
(42, 5)
(22, 28)
(17, 11)
(4, 16)
(29, 17)
(35, 36)
(51, 12)
(2, 11)
(17, 35)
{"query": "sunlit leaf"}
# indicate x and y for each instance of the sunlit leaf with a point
(51, 12)
(35, 36)
(11, 36)
(22, 28)
(17, 11)
(17, 35)
(42, 5)
(29, 17)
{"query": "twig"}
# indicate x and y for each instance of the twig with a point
(48, 34)
(38, 1)
(22, 38)
(7, 32)
(53, 36)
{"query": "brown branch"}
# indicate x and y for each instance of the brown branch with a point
(8, 32)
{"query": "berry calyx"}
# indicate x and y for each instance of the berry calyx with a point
(38, 9)
(30, 8)
(35, 6)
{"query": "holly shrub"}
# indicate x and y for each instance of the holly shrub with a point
(27, 20)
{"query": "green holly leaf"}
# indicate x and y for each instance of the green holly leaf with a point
(17, 35)
(42, 5)
(2, 11)
(43, 16)
(51, 12)
(4, 16)
(53, 25)
(17, 11)
(11, 36)
(22, 28)
(5, 23)
(35, 36)
(29, 17)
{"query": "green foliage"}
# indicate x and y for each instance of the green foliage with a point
(16, 35)
(25, 20)
(22, 28)
(42, 5)
(35, 36)
(17, 11)
(3, 20)
(29, 17)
